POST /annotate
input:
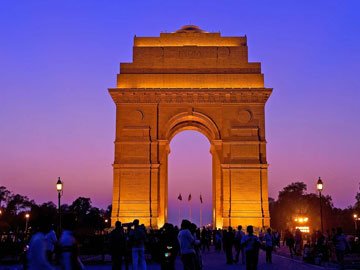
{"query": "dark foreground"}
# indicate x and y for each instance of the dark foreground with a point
(216, 261)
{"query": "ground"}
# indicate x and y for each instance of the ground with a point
(215, 261)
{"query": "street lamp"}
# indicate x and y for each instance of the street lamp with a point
(59, 188)
(27, 216)
(355, 221)
(106, 223)
(320, 186)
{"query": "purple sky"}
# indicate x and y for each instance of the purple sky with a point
(58, 59)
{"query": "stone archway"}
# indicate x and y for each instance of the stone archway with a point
(190, 79)
(190, 120)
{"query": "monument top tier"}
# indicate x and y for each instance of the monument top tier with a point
(189, 35)
(190, 58)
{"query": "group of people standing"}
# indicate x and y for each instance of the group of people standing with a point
(120, 242)
(246, 245)
(41, 251)
(318, 247)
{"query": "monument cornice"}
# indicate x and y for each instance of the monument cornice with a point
(190, 95)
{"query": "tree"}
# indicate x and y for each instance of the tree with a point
(4, 195)
(357, 198)
(296, 189)
(81, 206)
(95, 219)
(18, 203)
(46, 210)
(293, 201)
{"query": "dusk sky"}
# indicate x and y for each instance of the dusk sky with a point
(57, 59)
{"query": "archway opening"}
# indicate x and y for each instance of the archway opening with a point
(190, 172)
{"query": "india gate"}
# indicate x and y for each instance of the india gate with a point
(190, 79)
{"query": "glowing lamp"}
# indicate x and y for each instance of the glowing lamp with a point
(59, 188)
(59, 185)
(27, 215)
(319, 185)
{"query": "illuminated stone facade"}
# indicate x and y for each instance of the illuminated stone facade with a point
(190, 80)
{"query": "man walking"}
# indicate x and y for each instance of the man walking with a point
(341, 245)
(269, 244)
(251, 244)
(228, 245)
(118, 247)
(137, 237)
(238, 248)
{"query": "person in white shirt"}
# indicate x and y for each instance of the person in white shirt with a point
(69, 248)
(187, 242)
(51, 241)
(36, 255)
(341, 245)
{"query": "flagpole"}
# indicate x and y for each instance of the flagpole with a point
(200, 215)
(180, 200)
(189, 200)
(201, 202)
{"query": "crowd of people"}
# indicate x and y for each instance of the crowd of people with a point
(189, 242)
(132, 244)
(318, 247)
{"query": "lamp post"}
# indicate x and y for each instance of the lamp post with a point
(59, 188)
(106, 222)
(27, 216)
(355, 221)
(320, 186)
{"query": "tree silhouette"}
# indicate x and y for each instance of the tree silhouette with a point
(293, 201)
(4, 195)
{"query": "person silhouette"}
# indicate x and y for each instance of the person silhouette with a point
(251, 244)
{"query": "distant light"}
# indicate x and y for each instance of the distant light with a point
(304, 229)
(27, 215)
(301, 219)
(106, 220)
(355, 215)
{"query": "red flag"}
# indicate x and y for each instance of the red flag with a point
(189, 198)
(180, 197)
(201, 199)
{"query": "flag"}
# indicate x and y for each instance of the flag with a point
(201, 199)
(189, 198)
(180, 197)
